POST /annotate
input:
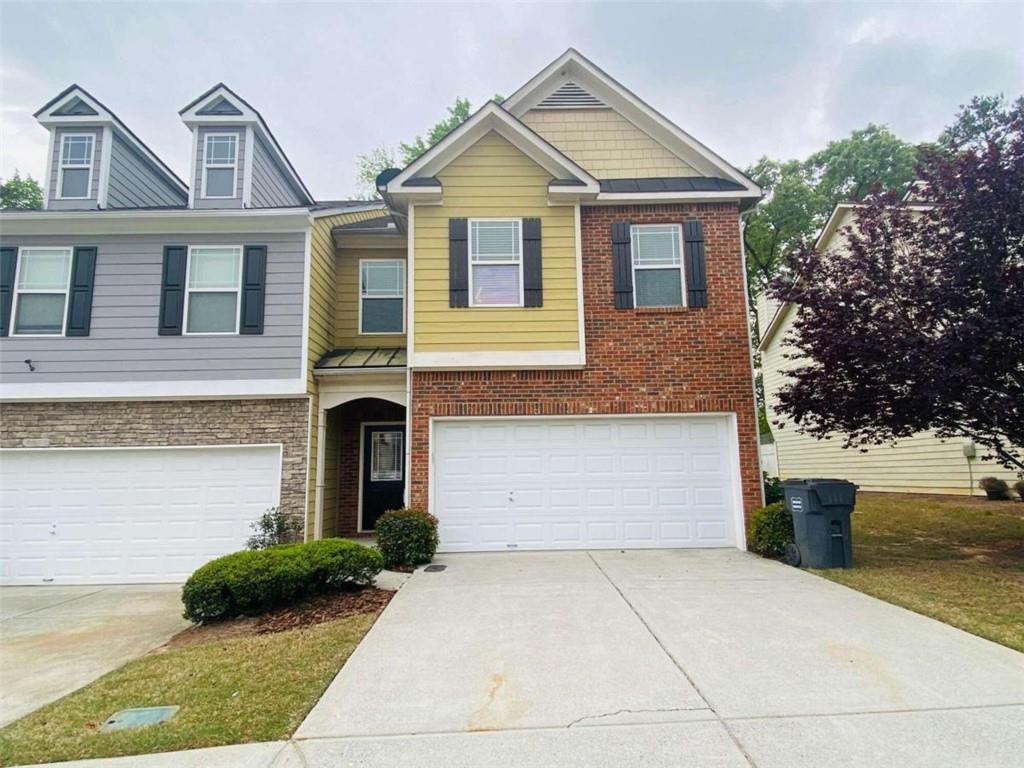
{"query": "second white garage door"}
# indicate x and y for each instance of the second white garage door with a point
(103, 516)
(585, 483)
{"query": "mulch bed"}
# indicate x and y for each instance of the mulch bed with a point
(314, 610)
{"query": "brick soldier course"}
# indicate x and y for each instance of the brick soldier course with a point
(641, 360)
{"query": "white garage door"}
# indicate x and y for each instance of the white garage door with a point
(585, 483)
(85, 516)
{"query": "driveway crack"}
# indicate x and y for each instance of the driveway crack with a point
(676, 662)
(579, 720)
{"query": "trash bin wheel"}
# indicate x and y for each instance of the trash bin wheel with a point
(792, 554)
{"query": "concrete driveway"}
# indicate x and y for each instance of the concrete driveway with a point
(54, 640)
(660, 658)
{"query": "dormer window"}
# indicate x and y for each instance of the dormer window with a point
(220, 164)
(76, 160)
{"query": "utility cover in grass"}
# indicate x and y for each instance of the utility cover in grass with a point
(137, 718)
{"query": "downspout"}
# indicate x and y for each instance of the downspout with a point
(750, 347)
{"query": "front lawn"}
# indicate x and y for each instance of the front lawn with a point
(242, 681)
(958, 560)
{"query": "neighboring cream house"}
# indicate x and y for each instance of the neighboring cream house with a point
(919, 464)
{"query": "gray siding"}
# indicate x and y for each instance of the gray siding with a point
(271, 186)
(221, 202)
(83, 204)
(135, 183)
(123, 344)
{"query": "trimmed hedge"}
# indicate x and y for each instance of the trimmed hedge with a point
(771, 529)
(407, 537)
(1019, 488)
(251, 582)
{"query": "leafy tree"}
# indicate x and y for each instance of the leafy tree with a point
(981, 121)
(847, 169)
(19, 192)
(368, 166)
(916, 324)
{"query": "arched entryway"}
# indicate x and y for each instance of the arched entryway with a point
(364, 469)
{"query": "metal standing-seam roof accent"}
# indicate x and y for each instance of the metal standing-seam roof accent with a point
(361, 358)
(672, 184)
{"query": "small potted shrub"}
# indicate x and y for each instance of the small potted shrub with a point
(407, 537)
(994, 488)
(1019, 488)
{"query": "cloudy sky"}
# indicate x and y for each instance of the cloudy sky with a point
(335, 79)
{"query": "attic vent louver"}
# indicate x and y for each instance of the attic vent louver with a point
(570, 96)
(220, 107)
(74, 106)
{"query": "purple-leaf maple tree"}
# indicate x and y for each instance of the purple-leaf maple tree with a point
(918, 322)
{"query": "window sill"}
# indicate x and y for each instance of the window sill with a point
(661, 310)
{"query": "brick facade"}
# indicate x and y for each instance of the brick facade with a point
(638, 360)
(170, 423)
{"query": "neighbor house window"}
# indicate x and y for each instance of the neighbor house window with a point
(496, 263)
(41, 291)
(382, 296)
(657, 265)
(220, 163)
(76, 151)
(214, 282)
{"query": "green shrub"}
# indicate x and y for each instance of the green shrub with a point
(772, 489)
(407, 537)
(771, 529)
(274, 528)
(1019, 488)
(254, 581)
(994, 488)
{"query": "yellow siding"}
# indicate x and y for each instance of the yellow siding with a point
(323, 279)
(606, 144)
(919, 464)
(494, 179)
(346, 314)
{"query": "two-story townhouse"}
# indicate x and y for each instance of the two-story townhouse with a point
(544, 342)
(539, 336)
(154, 367)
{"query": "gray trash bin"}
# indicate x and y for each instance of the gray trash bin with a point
(821, 510)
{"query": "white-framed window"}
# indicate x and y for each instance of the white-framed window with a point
(76, 161)
(386, 456)
(41, 284)
(213, 289)
(220, 165)
(381, 296)
(496, 262)
(658, 275)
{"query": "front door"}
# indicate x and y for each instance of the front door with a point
(383, 471)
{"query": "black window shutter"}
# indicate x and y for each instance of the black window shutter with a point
(533, 273)
(254, 283)
(83, 273)
(172, 291)
(458, 263)
(696, 269)
(622, 265)
(8, 261)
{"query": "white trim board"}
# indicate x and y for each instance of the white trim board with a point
(154, 390)
(521, 360)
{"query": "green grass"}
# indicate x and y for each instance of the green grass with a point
(252, 688)
(960, 561)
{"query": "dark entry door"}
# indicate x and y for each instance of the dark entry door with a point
(383, 470)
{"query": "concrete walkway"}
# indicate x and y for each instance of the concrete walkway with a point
(54, 640)
(681, 659)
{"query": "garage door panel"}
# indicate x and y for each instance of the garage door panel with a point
(556, 483)
(129, 515)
